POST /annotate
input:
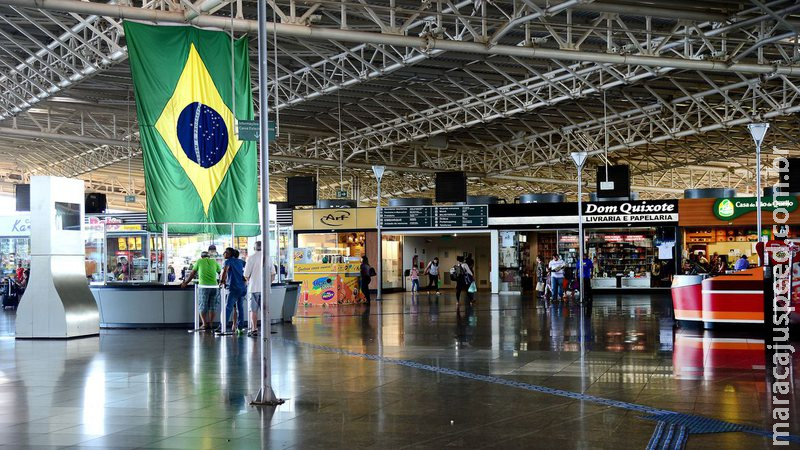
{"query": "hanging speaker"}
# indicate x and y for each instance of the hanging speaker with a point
(451, 187)
(301, 191)
(22, 194)
(95, 203)
(617, 184)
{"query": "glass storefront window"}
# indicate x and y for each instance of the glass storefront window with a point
(392, 262)
(184, 250)
(94, 242)
(13, 252)
(285, 253)
(512, 253)
(330, 247)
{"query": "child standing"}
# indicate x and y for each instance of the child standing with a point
(414, 279)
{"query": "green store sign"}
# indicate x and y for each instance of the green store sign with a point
(731, 208)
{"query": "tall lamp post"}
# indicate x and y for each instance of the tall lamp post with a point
(579, 158)
(265, 396)
(378, 171)
(758, 131)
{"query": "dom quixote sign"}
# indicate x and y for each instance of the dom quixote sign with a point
(731, 208)
(636, 211)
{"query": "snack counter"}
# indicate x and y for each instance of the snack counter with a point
(134, 305)
(732, 298)
(329, 284)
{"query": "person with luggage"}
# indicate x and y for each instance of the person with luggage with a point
(232, 279)
(206, 269)
(462, 275)
(433, 275)
(556, 268)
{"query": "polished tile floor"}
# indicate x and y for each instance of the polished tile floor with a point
(410, 372)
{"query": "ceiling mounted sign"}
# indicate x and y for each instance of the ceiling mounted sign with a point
(731, 208)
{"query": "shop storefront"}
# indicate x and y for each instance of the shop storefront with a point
(631, 244)
(15, 243)
(328, 246)
(716, 232)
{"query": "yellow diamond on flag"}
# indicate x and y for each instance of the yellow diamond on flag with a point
(197, 126)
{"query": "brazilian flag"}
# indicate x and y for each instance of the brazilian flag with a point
(196, 169)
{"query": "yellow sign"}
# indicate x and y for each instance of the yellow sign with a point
(327, 268)
(332, 219)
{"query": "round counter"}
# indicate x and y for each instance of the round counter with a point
(157, 305)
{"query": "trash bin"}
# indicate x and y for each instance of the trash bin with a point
(291, 297)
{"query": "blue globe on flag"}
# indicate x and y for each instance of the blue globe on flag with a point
(202, 134)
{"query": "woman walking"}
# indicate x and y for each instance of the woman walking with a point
(433, 275)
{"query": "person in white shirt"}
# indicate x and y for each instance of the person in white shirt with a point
(556, 267)
(252, 273)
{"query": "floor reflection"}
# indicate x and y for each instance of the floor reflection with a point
(172, 389)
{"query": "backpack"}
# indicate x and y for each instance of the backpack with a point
(457, 273)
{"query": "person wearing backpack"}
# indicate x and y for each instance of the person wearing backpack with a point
(462, 275)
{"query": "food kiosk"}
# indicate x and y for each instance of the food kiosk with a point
(329, 244)
(724, 229)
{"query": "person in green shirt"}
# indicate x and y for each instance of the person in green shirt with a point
(206, 269)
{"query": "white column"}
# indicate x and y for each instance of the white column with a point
(57, 302)
(494, 275)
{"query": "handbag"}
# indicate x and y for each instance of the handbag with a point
(540, 286)
(473, 288)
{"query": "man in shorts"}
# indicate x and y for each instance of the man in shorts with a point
(206, 270)
(252, 273)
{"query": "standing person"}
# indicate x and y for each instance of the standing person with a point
(461, 273)
(206, 269)
(433, 275)
(21, 272)
(541, 277)
(366, 276)
(588, 267)
(233, 280)
(742, 263)
(252, 274)
(414, 279)
(556, 267)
